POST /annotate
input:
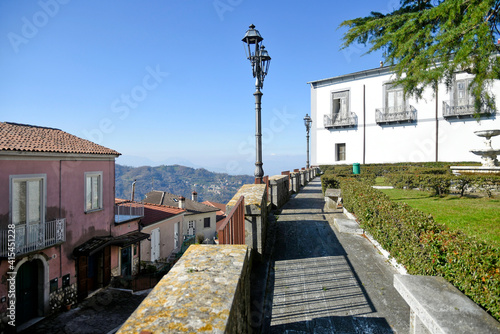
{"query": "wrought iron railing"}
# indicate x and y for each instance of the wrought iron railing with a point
(32, 237)
(232, 229)
(404, 113)
(128, 210)
(468, 110)
(339, 121)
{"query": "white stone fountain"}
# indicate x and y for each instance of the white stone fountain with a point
(488, 156)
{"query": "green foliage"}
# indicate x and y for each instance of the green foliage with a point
(429, 41)
(425, 247)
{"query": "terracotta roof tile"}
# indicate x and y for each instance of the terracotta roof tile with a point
(31, 138)
(154, 213)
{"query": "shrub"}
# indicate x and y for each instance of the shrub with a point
(425, 247)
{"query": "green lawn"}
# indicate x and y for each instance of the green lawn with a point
(479, 217)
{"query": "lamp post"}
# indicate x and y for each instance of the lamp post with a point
(259, 59)
(307, 123)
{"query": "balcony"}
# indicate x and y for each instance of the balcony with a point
(399, 114)
(127, 210)
(338, 121)
(32, 237)
(468, 110)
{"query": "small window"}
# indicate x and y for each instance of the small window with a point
(93, 191)
(340, 152)
(206, 222)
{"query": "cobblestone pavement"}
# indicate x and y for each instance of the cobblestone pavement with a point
(323, 281)
(98, 314)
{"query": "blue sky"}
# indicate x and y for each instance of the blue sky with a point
(166, 81)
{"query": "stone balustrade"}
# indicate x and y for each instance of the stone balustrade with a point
(207, 291)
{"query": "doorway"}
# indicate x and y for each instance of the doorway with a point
(28, 291)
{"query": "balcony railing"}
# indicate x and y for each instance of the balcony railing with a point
(126, 211)
(232, 229)
(338, 121)
(399, 114)
(32, 237)
(468, 110)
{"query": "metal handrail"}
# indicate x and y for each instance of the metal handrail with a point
(232, 229)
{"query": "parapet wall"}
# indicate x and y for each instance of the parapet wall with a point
(207, 291)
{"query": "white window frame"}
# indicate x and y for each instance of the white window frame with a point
(343, 104)
(390, 88)
(99, 192)
(43, 196)
(468, 99)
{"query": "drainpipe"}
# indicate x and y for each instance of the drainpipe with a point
(364, 122)
(437, 124)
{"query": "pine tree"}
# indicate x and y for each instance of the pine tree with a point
(428, 41)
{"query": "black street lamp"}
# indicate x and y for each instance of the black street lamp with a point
(307, 122)
(259, 59)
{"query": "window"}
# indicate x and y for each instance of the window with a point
(394, 99)
(340, 105)
(93, 191)
(340, 152)
(206, 222)
(27, 199)
(462, 96)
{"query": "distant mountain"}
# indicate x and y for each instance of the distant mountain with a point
(178, 180)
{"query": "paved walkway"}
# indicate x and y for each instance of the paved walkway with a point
(323, 281)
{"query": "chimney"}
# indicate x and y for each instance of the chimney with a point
(182, 202)
(133, 191)
(194, 196)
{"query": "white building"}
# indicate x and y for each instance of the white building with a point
(362, 118)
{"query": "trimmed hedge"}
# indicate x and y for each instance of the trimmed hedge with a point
(441, 183)
(426, 247)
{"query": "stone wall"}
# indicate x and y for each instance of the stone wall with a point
(207, 291)
(62, 297)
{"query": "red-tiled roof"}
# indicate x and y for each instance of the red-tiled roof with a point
(31, 138)
(154, 213)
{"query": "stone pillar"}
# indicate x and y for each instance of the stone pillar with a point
(303, 181)
(255, 215)
(295, 182)
(279, 186)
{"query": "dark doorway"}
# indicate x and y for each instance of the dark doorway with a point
(126, 261)
(27, 299)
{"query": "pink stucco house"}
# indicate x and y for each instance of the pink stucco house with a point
(58, 195)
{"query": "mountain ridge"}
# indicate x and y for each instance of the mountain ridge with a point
(179, 180)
